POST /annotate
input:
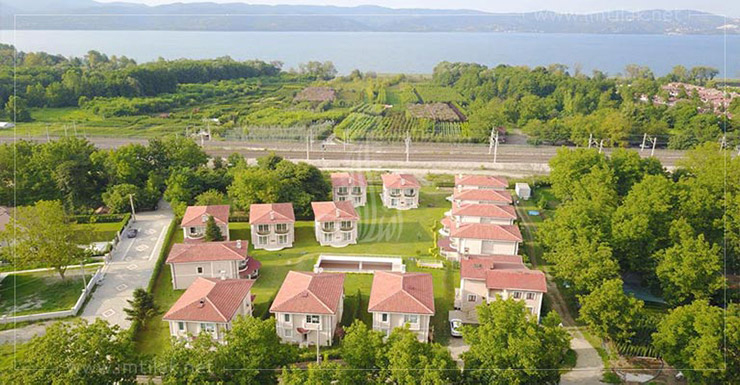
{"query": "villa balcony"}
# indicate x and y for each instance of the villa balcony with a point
(284, 231)
(311, 326)
(395, 194)
(409, 194)
(341, 192)
(263, 232)
(328, 229)
(357, 191)
(347, 228)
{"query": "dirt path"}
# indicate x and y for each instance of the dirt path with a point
(588, 363)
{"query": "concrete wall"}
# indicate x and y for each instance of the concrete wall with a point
(475, 247)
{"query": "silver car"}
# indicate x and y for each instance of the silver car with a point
(455, 327)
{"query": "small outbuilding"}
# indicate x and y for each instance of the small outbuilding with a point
(523, 191)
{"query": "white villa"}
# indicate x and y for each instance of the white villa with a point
(348, 186)
(308, 307)
(402, 299)
(194, 221)
(229, 259)
(400, 191)
(272, 225)
(335, 223)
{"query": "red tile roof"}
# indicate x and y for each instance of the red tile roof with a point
(210, 300)
(197, 215)
(312, 293)
(394, 292)
(348, 179)
(270, 213)
(475, 267)
(533, 280)
(399, 181)
(446, 222)
(252, 266)
(482, 195)
(444, 244)
(334, 211)
(485, 210)
(487, 231)
(481, 181)
(208, 251)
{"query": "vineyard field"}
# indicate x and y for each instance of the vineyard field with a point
(395, 127)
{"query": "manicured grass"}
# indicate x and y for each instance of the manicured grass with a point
(41, 292)
(381, 232)
(96, 232)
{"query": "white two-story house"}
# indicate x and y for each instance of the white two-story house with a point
(483, 279)
(189, 261)
(475, 239)
(478, 213)
(272, 225)
(335, 223)
(480, 196)
(400, 191)
(210, 305)
(402, 300)
(482, 182)
(194, 221)
(308, 307)
(349, 186)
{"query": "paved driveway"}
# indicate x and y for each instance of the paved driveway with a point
(130, 267)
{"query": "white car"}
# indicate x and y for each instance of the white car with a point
(455, 325)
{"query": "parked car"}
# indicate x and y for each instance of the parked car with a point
(455, 325)
(131, 233)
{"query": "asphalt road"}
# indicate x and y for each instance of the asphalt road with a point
(388, 152)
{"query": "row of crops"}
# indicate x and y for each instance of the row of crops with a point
(396, 127)
(430, 94)
(318, 131)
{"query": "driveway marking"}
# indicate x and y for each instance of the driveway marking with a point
(132, 266)
(122, 287)
(108, 313)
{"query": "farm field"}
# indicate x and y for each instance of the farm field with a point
(271, 108)
(381, 232)
(41, 292)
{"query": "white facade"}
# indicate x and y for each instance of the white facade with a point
(336, 233)
(523, 191)
(306, 329)
(471, 246)
(474, 292)
(355, 194)
(417, 323)
(401, 199)
(185, 328)
(198, 232)
(276, 236)
(184, 273)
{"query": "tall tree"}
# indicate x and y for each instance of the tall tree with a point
(362, 350)
(41, 236)
(213, 232)
(142, 307)
(77, 352)
(609, 312)
(409, 361)
(509, 347)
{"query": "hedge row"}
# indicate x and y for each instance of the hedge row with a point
(98, 218)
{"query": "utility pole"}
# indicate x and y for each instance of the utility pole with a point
(654, 140)
(601, 145)
(408, 146)
(590, 138)
(491, 139)
(133, 212)
(644, 138)
(723, 142)
(495, 147)
(308, 147)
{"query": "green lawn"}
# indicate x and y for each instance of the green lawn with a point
(41, 292)
(381, 232)
(95, 232)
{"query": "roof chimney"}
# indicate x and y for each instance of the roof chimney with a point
(337, 212)
(238, 243)
(272, 215)
(204, 218)
(223, 275)
(403, 181)
(202, 302)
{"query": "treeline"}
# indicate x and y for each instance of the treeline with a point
(43, 80)
(232, 181)
(73, 171)
(553, 106)
(622, 215)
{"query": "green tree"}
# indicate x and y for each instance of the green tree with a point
(252, 348)
(142, 307)
(409, 361)
(691, 269)
(213, 232)
(609, 312)
(362, 350)
(692, 337)
(191, 362)
(116, 198)
(16, 109)
(211, 197)
(568, 166)
(254, 185)
(41, 235)
(585, 263)
(510, 347)
(324, 373)
(77, 352)
(640, 226)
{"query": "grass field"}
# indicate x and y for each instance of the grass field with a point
(96, 232)
(381, 232)
(41, 292)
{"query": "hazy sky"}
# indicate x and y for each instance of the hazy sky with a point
(722, 7)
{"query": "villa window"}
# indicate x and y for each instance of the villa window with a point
(262, 240)
(181, 326)
(411, 318)
(282, 239)
(530, 295)
(517, 294)
(286, 317)
(530, 309)
(384, 317)
(313, 319)
(208, 327)
(356, 190)
(472, 297)
(263, 228)
(193, 230)
(199, 269)
(328, 237)
(281, 227)
(288, 333)
(347, 236)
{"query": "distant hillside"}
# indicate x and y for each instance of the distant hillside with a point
(88, 14)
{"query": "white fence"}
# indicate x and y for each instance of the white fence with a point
(62, 313)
